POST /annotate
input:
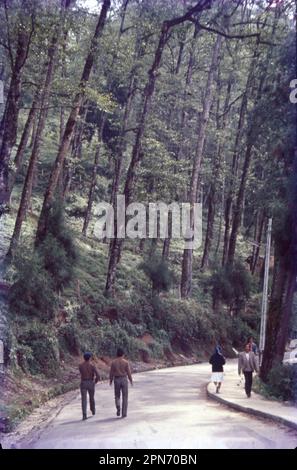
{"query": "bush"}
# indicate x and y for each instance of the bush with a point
(68, 338)
(33, 292)
(239, 331)
(37, 349)
(112, 336)
(231, 284)
(42, 274)
(282, 382)
(58, 249)
(185, 322)
(159, 273)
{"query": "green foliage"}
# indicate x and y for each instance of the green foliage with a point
(185, 322)
(231, 284)
(281, 383)
(37, 348)
(58, 249)
(159, 273)
(112, 336)
(42, 274)
(69, 339)
(33, 292)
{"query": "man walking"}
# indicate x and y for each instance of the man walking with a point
(254, 347)
(89, 377)
(248, 363)
(120, 372)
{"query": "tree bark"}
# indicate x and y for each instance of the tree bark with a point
(122, 143)
(76, 149)
(10, 119)
(18, 160)
(234, 169)
(68, 133)
(93, 181)
(186, 278)
(258, 241)
(239, 201)
(188, 82)
(212, 198)
(274, 315)
(34, 128)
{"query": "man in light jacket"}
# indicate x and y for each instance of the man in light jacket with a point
(248, 363)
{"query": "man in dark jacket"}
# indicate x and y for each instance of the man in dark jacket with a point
(217, 361)
(89, 377)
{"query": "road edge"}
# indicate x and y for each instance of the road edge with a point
(248, 410)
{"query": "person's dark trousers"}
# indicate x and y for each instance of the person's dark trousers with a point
(87, 387)
(248, 382)
(121, 387)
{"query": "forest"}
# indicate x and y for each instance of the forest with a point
(180, 101)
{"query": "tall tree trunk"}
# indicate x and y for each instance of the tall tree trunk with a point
(212, 198)
(122, 142)
(117, 243)
(186, 278)
(234, 168)
(34, 128)
(18, 160)
(239, 201)
(68, 133)
(124, 7)
(44, 103)
(10, 122)
(93, 180)
(167, 240)
(258, 241)
(209, 229)
(275, 314)
(188, 82)
(76, 149)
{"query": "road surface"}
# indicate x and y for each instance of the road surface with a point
(168, 409)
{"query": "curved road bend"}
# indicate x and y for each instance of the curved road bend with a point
(168, 409)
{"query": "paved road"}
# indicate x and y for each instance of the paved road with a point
(167, 409)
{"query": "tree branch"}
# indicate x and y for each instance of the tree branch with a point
(8, 36)
(30, 36)
(233, 36)
(3, 44)
(230, 105)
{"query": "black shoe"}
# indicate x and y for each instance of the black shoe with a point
(118, 412)
(93, 413)
(124, 416)
(248, 395)
(84, 418)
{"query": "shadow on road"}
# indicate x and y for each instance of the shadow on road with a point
(96, 421)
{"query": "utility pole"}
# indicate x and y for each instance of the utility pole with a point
(265, 291)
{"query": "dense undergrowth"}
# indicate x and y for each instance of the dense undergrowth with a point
(58, 309)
